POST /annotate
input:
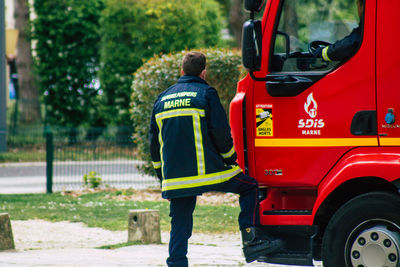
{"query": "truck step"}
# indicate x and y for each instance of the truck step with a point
(288, 258)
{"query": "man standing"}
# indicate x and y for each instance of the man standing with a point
(192, 152)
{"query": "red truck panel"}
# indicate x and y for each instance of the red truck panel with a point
(388, 71)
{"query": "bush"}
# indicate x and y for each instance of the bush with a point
(92, 180)
(67, 58)
(135, 30)
(223, 72)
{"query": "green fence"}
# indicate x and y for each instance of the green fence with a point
(104, 158)
(107, 156)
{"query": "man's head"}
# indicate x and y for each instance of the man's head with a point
(194, 64)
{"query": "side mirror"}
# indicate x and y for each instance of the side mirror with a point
(252, 45)
(253, 5)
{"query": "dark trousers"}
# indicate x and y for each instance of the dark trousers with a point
(181, 213)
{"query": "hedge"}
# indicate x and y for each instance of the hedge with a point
(223, 72)
(134, 30)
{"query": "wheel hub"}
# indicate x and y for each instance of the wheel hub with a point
(376, 247)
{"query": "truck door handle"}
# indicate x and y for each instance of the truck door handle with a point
(287, 79)
(287, 85)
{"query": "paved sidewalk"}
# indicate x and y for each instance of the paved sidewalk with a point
(144, 255)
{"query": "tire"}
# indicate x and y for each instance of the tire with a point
(364, 232)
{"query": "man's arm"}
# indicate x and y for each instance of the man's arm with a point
(341, 49)
(219, 129)
(155, 146)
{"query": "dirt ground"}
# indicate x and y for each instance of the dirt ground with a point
(211, 198)
(40, 234)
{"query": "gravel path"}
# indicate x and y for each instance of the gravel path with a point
(43, 243)
(40, 234)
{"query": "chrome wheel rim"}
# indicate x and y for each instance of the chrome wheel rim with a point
(374, 244)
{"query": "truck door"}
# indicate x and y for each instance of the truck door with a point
(310, 112)
(388, 69)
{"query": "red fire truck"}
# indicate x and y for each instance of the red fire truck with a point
(323, 137)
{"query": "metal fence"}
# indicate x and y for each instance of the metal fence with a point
(109, 156)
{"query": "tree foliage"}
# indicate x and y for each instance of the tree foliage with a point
(160, 72)
(135, 30)
(66, 57)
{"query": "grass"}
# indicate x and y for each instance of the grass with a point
(121, 245)
(23, 156)
(64, 152)
(101, 209)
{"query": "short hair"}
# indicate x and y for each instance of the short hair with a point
(193, 63)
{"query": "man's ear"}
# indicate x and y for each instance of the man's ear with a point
(203, 74)
(182, 72)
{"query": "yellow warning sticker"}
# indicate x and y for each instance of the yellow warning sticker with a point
(264, 125)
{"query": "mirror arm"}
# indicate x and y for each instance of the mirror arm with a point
(252, 15)
(258, 79)
(287, 46)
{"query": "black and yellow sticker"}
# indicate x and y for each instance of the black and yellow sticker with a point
(264, 125)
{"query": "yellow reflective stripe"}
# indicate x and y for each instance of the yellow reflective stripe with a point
(198, 139)
(180, 112)
(229, 153)
(160, 140)
(201, 180)
(325, 54)
(196, 114)
(387, 141)
(315, 142)
(157, 164)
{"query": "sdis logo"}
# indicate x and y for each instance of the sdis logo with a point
(310, 123)
(313, 125)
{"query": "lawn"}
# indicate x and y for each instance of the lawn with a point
(107, 210)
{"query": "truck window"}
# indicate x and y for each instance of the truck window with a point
(305, 26)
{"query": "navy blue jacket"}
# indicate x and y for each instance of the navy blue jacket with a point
(190, 139)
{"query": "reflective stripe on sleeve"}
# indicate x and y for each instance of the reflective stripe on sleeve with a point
(229, 153)
(325, 54)
(201, 180)
(157, 164)
(160, 140)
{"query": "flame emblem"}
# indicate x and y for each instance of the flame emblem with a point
(311, 109)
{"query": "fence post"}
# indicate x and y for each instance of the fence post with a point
(49, 160)
(3, 96)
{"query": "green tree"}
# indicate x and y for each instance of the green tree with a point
(134, 30)
(67, 58)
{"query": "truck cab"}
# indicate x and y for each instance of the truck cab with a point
(322, 137)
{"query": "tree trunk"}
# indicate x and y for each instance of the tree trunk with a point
(291, 22)
(237, 17)
(28, 93)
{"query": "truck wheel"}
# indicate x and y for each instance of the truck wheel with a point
(364, 232)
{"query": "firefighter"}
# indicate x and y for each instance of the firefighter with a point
(193, 153)
(346, 47)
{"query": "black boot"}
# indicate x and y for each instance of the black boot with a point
(254, 247)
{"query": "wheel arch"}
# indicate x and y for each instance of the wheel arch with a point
(342, 194)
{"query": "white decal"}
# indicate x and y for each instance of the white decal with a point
(312, 111)
(314, 125)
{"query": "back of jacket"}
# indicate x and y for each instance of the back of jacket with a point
(190, 141)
